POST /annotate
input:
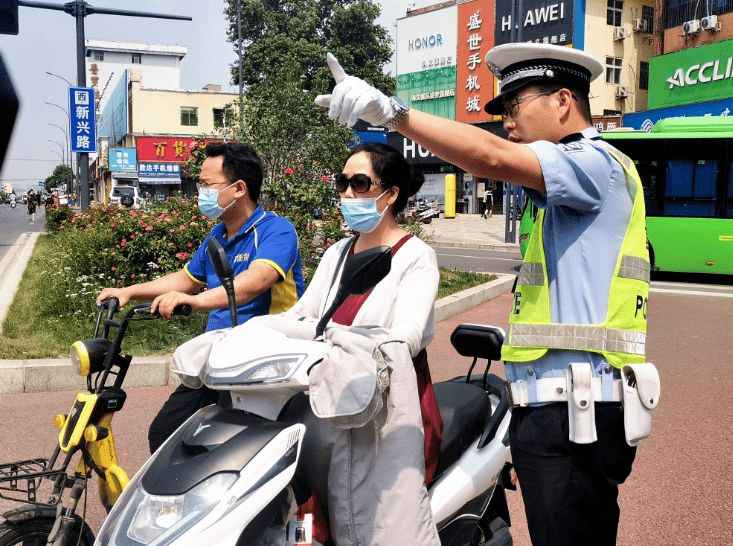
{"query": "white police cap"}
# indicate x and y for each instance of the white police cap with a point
(520, 64)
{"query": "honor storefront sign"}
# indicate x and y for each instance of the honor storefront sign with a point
(690, 76)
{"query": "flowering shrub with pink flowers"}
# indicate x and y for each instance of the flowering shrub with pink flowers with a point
(113, 246)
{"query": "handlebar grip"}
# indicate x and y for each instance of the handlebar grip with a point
(110, 303)
(182, 310)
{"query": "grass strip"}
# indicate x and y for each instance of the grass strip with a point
(38, 327)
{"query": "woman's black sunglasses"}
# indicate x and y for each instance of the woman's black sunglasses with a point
(360, 183)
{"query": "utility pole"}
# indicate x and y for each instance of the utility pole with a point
(79, 9)
(512, 190)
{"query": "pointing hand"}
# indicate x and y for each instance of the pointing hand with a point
(353, 99)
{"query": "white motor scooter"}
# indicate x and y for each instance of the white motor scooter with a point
(222, 477)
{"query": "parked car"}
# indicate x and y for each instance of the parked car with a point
(127, 196)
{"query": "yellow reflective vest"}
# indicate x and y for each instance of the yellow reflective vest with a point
(621, 339)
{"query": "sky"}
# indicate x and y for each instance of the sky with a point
(47, 43)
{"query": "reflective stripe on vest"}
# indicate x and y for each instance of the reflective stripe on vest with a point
(532, 274)
(634, 267)
(621, 339)
(582, 337)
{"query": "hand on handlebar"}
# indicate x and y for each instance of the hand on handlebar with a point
(118, 293)
(166, 303)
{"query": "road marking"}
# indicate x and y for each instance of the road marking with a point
(10, 254)
(689, 293)
(688, 285)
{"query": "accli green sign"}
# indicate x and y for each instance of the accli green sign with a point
(699, 74)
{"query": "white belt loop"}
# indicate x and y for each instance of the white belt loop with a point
(554, 389)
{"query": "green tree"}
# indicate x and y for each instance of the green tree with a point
(300, 32)
(62, 174)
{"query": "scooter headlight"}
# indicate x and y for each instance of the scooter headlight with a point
(264, 370)
(88, 356)
(159, 519)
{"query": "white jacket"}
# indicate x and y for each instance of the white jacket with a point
(404, 301)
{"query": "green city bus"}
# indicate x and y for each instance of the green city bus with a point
(686, 168)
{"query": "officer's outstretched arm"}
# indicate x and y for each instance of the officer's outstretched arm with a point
(472, 149)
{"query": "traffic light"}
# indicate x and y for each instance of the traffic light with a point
(9, 17)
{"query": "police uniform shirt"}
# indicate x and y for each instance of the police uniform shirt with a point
(266, 238)
(586, 218)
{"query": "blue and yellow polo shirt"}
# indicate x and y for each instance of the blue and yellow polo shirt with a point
(267, 238)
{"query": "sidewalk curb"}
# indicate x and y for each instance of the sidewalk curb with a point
(56, 374)
(450, 243)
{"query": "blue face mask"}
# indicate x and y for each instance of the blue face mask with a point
(361, 213)
(209, 202)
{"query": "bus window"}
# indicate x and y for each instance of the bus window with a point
(706, 178)
(690, 187)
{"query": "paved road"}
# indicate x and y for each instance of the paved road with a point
(681, 490)
(506, 262)
(13, 222)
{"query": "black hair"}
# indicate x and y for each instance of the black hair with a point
(241, 162)
(393, 170)
(581, 97)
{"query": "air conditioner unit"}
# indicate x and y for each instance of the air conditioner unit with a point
(641, 25)
(622, 92)
(691, 28)
(620, 33)
(710, 23)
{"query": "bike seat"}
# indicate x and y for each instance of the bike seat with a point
(465, 410)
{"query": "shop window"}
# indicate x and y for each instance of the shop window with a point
(189, 116)
(137, 58)
(644, 76)
(99, 55)
(613, 70)
(614, 11)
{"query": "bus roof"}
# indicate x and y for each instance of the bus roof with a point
(690, 127)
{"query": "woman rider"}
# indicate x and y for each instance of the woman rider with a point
(374, 187)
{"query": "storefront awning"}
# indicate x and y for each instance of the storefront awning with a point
(159, 180)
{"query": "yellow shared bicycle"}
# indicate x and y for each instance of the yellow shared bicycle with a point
(49, 490)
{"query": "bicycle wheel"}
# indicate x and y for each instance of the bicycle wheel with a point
(34, 532)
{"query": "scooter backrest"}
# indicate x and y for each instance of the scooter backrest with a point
(478, 341)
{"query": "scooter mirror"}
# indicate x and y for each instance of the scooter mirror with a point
(362, 272)
(219, 260)
(223, 270)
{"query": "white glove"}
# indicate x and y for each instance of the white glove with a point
(353, 99)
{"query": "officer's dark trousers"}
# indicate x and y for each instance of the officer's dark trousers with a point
(570, 491)
(181, 405)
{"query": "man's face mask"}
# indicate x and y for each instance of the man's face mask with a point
(209, 201)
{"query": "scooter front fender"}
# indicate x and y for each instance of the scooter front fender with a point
(263, 454)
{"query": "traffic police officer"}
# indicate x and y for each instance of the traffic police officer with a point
(579, 313)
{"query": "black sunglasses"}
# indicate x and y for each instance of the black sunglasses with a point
(360, 183)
